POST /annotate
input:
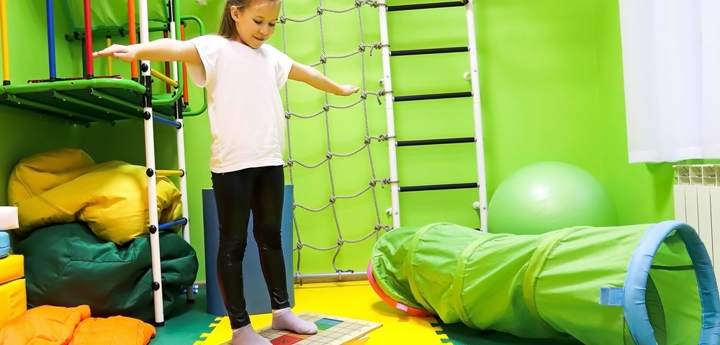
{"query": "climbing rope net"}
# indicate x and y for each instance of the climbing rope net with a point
(364, 143)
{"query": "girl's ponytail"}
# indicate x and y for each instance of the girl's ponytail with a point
(227, 23)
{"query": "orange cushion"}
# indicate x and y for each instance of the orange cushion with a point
(44, 325)
(114, 330)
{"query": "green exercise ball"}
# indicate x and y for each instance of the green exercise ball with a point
(548, 196)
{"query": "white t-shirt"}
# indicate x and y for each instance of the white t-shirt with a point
(247, 121)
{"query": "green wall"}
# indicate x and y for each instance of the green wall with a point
(551, 79)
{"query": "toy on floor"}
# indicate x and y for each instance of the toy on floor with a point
(332, 330)
(640, 284)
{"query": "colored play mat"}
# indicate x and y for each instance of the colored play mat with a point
(191, 325)
(332, 330)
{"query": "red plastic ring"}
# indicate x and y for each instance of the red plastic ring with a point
(395, 304)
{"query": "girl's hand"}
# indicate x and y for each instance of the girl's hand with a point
(124, 53)
(346, 90)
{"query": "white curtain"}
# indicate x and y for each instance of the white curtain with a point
(671, 63)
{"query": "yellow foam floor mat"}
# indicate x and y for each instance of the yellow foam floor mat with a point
(354, 300)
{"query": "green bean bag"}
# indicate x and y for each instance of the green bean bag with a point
(67, 265)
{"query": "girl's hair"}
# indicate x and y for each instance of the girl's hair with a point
(227, 23)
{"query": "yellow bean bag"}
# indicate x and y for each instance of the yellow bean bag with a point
(65, 185)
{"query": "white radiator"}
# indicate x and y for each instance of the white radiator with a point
(697, 202)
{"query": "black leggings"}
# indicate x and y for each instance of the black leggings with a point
(236, 193)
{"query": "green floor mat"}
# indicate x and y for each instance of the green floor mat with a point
(459, 334)
(186, 325)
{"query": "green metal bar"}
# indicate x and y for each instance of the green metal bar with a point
(67, 85)
(201, 28)
(111, 98)
(202, 109)
(179, 89)
(84, 103)
(196, 20)
(55, 112)
(113, 32)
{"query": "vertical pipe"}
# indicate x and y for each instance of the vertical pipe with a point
(88, 40)
(51, 39)
(167, 65)
(186, 95)
(174, 6)
(108, 38)
(390, 119)
(84, 56)
(174, 26)
(5, 43)
(132, 30)
(477, 115)
(150, 163)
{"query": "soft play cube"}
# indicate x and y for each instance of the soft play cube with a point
(13, 296)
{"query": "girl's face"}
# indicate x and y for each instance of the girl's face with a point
(256, 24)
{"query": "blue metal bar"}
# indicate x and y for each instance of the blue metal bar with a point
(167, 121)
(51, 38)
(181, 221)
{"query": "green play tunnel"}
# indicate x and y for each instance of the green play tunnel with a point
(641, 284)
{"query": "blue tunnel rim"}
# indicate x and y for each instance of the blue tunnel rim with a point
(634, 306)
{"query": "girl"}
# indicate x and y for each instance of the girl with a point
(243, 76)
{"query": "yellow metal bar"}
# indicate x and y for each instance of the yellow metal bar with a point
(5, 45)
(163, 77)
(170, 173)
(109, 58)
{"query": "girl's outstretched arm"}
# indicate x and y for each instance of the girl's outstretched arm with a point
(164, 49)
(314, 78)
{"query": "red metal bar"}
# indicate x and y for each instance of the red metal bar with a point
(133, 37)
(186, 95)
(88, 40)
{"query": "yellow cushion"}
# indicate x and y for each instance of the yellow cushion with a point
(65, 185)
(13, 300)
(12, 268)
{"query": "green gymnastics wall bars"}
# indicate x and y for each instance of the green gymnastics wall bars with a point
(649, 284)
(107, 98)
